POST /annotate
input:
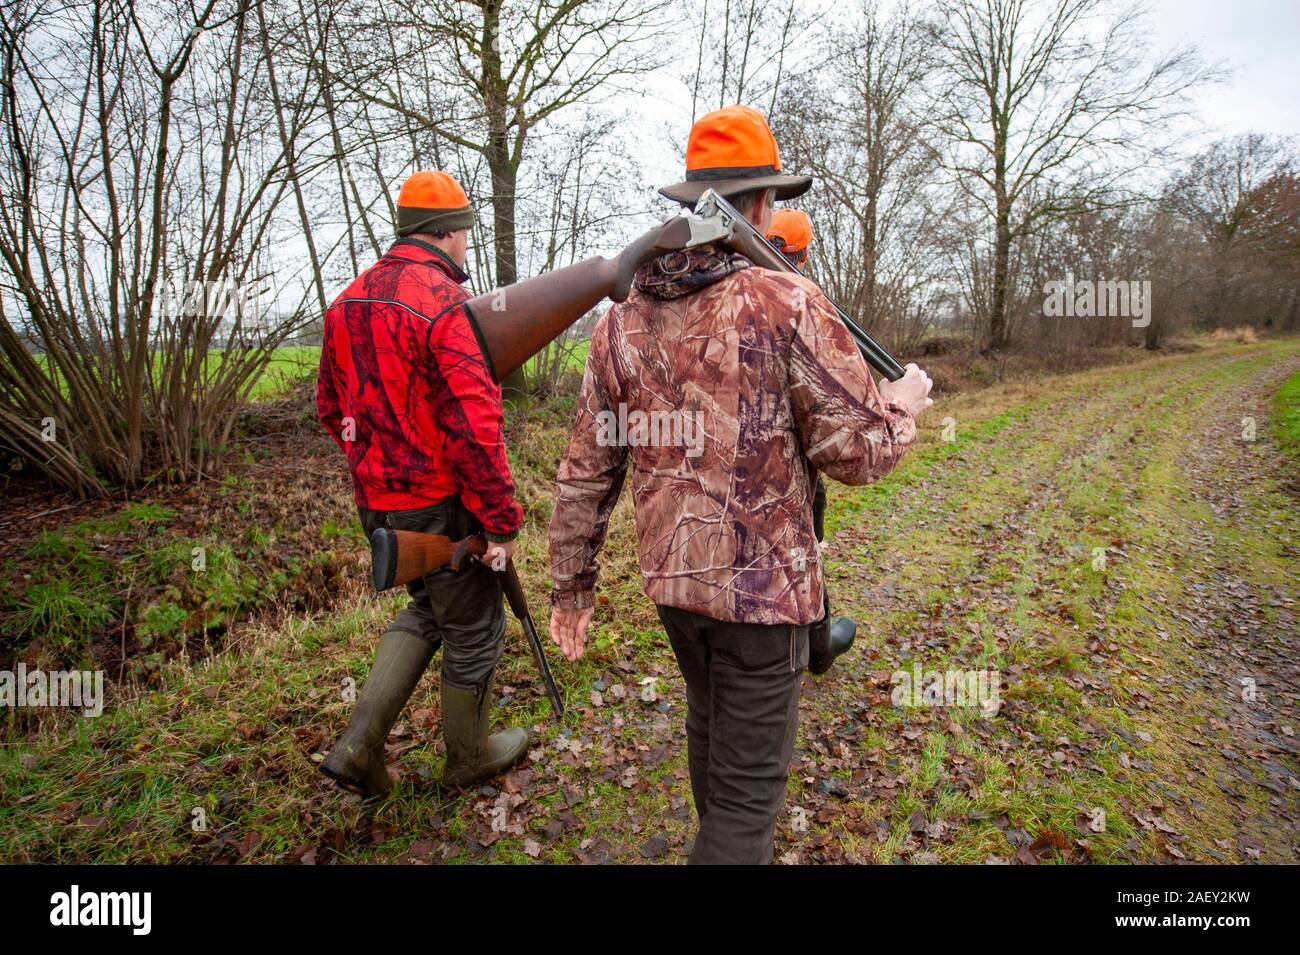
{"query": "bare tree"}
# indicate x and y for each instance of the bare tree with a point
(854, 122)
(1046, 108)
(745, 50)
(145, 182)
(1234, 193)
(483, 76)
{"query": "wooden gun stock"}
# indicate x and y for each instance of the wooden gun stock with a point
(399, 557)
(518, 321)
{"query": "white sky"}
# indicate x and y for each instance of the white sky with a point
(1257, 40)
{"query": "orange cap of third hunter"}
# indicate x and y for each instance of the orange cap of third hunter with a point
(791, 229)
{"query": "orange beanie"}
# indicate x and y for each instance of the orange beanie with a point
(432, 202)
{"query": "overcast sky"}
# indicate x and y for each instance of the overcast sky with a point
(1257, 39)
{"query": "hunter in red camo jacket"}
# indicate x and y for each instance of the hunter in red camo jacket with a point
(405, 392)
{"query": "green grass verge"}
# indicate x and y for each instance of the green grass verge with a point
(1286, 419)
(986, 544)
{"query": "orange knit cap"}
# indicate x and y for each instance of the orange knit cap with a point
(791, 230)
(432, 202)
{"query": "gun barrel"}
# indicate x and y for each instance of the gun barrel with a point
(514, 592)
(747, 240)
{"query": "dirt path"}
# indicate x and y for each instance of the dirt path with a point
(1246, 637)
(1106, 543)
(1105, 672)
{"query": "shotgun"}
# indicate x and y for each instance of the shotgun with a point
(516, 322)
(742, 237)
(400, 557)
(519, 607)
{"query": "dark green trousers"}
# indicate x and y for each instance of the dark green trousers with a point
(461, 611)
(742, 696)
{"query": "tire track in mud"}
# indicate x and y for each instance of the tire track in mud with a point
(1244, 628)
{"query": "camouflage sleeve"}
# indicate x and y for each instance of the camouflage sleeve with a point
(467, 406)
(328, 406)
(587, 486)
(848, 432)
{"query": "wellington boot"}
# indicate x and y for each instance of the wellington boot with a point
(473, 755)
(825, 643)
(356, 762)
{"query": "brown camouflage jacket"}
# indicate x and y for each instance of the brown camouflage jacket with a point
(725, 387)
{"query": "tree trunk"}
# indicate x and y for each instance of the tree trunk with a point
(503, 167)
(505, 177)
(997, 325)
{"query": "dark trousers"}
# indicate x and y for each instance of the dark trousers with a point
(461, 611)
(819, 508)
(819, 528)
(742, 695)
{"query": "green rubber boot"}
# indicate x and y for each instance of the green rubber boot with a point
(473, 755)
(356, 762)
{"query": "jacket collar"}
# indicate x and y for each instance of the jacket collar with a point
(422, 253)
(676, 274)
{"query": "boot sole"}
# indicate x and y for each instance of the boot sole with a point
(349, 783)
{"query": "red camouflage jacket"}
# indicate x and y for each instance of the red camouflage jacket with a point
(405, 392)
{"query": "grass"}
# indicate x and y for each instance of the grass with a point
(289, 365)
(293, 363)
(1066, 600)
(139, 578)
(1286, 417)
(74, 592)
(977, 552)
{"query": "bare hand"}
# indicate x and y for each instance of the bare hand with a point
(499, 554)
(569, 630)
(912, 391)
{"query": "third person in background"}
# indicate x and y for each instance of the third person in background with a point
(791, 232)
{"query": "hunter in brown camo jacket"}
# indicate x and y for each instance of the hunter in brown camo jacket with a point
(767, 388)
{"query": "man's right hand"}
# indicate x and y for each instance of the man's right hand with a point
(569, 630)
(912, 391)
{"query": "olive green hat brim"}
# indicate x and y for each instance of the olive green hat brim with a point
(411, 220)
